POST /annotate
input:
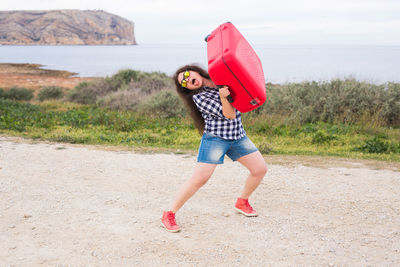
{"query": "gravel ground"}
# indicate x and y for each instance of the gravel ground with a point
(69, 205)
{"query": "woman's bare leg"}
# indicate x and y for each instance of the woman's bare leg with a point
(202, 173)
(255, 163)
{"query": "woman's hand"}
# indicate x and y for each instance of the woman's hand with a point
(224, 91)
(227, 109)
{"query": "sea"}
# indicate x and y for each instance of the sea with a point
(281, 63)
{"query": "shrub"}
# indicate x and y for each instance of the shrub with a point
(50, 92)
(148, 85)
(123, 90)
(120, 100)
(1, 92)
(165, 104)
(17, 93)
(146, 81)
(88, 92)
(391, 104)
(80, 94)
(377, 144)
(122, 77)
(346, 101)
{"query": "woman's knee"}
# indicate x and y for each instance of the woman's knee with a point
(202, 173)
(260, 171)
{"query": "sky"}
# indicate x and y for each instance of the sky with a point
(276, 22)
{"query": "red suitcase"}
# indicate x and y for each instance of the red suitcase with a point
(233, 62)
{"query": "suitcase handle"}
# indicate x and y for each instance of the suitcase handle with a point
(229, 97)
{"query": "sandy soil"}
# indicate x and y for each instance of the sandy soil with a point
(33, 76)
(69, 205)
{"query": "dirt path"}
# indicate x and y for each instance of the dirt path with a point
(66, 205)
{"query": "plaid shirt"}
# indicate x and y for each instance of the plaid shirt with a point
(209, 104)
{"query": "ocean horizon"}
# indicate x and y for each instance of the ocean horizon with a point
(281, 63)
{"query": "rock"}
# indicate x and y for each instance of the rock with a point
(65, 27)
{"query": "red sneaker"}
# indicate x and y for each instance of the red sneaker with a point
(242, 206)
(168, 221)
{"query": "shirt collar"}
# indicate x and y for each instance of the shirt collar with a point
(210, 88)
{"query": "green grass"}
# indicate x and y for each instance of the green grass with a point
(87, 124)
(74, 123)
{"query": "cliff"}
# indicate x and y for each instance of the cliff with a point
(64, 27)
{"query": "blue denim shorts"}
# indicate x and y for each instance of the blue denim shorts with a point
(213, 149)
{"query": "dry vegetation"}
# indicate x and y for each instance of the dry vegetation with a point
(33, 76)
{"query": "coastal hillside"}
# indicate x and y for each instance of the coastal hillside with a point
(65, 27)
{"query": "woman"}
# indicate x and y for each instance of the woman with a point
(223, 134)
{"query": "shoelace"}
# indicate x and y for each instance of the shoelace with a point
(247, 204)
(171, 219)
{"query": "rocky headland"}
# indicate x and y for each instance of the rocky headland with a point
(65, 27)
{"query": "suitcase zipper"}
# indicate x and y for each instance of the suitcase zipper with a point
(253, 102)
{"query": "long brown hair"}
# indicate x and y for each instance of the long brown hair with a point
(187, 94)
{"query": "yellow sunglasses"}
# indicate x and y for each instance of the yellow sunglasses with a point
(184, 81)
